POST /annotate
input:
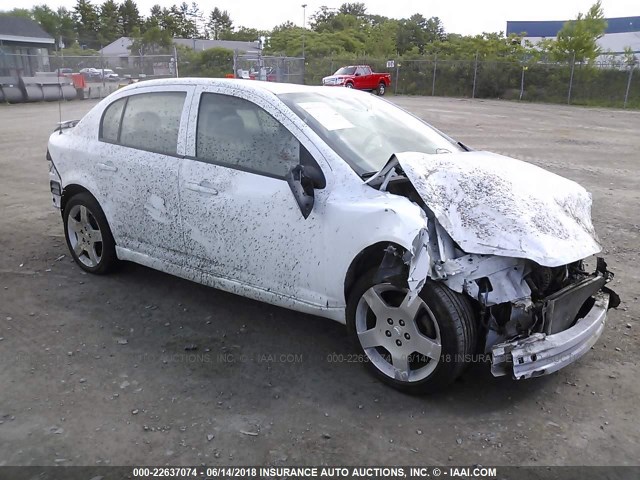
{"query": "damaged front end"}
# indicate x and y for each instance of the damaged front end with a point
(566, 317)
(541, 310)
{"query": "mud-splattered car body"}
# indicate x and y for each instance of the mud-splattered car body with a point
(509, 236)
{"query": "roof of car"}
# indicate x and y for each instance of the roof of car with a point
(247, 85)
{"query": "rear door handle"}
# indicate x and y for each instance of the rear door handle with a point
(108, 167)
(201, 188)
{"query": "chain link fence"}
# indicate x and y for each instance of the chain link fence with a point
(270, 68)
(609, 83)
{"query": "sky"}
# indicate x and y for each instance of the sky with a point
(467, 17)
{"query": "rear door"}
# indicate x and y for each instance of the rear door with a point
(141, 145)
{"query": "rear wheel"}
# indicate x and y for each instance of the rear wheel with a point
(88, 235)
(382, 89)
(419, 346)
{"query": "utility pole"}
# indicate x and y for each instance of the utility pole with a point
(475, 77)
(573, 66)
(175, 60)
(304, 24)
(304, 27)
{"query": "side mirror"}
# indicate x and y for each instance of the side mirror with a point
(357, 74)
(302, 188)
(303, 179)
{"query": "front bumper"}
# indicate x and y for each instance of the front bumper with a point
(541, 354)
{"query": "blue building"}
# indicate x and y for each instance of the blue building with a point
(621, 32)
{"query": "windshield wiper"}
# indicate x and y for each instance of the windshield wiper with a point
(466, 149)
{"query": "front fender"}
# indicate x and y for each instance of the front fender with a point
(382, 218)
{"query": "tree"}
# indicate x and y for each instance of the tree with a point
(434, 30)
(578, 38)
(381, 39)
(178, 20)
(47, 18)
(322, 18)
(129, 17)
(153, 41)
(243, 34)
(356, 9)
(212, 62)
(154, 18)
(66, 27)
(85, 16)
(219, 23)
(196, 16)
(417, 31)
(630, 58)
(109, 22)
(18, 12)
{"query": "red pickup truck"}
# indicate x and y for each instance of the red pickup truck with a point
(360, 77)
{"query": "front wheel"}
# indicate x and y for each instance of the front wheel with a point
(349, 85)
(419, 346)
(382, 89)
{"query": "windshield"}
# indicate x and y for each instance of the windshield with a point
(346, 71)
(365, 130)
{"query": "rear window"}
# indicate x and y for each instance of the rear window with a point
(150, 121)
(110, 126)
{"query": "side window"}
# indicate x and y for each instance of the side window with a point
(151, 121)
(110, 125)
(361, 71)
(237, 133)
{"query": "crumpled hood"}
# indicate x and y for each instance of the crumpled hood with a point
(496, 205)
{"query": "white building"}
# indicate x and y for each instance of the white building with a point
(118, 53)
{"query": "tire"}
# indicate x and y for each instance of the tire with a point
(442, 317)
(348, 85)
(88, 235)
(382, 89)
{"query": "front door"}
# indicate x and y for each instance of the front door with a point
(240, 219)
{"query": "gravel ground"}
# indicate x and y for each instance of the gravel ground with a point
(95, 371)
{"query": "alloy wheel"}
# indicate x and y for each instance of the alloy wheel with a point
(400, 337)
(85, 236)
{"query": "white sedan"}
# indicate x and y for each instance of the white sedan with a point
(338, 203)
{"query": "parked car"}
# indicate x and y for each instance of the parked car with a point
(360, 77)
(109, 75)
(91, 73)
(336, 203)
(64, 72)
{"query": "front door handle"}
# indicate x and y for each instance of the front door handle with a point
(202, 187)
(108, 167)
